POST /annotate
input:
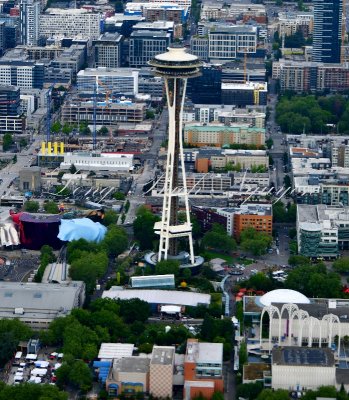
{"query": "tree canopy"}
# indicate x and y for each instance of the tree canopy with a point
(255, 242)
(51, 207)
(284, 214)
(312, 114)
(218, 239)
(314, 281)
(341, 265)
(11, 332)
(143, 228)
(164, 267)
(31, 206)
(29, 391)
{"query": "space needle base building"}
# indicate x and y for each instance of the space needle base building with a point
(175, 66)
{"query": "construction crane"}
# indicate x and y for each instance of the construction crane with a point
(107, 99)
(48, 115)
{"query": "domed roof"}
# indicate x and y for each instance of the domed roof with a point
(176, 54)
(283, 296)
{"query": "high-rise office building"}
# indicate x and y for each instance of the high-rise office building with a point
(327, 34)
(9, 100)
(29, 21)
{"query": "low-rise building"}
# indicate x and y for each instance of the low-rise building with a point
(245, 94)
(161, 371)
(322, 231)
(159, 297)
(75, 111)
(220, 135)
(203, 369)
(38, 304)
(153, 281)
(302, 368)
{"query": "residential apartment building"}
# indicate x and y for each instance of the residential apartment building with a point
(227, 43)
(29, 22)
(311, 76)
(225, 114)
(74, 111)
(220, 135)
(24, 74)
(203, 369)
(327, 35)
(257, 216)
(56, 22)
(107, 50)
(290, 23)
(113, 80)
(340, 155)
(214, 159)
(145, 45)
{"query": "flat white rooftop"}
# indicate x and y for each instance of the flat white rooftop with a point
(174, 297)
(110, 351)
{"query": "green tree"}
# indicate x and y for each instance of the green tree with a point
(255, 242)
(149, 114)
(103, 131)
(243, 357)
(80, 376)
(314, 281)
(51, 207)
(72, 169)
(287, 181)
(164, 267)
(269, 143)
(268, 394)
(119, 196)
(134, 310)
(31, 206)
(67, 129)
(143, 228)
(11, 332)
(56, 127)
(217, 396)
(23, 142)
(7, 141)
(249, 390)
(115, 240)
(110, 218)
(341, 265)
(218, 239)
(88, 268)
(295, 260)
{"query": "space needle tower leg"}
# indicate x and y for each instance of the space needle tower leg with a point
(175, 66)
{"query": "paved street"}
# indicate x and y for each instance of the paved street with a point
(150, 162)
(11, 171)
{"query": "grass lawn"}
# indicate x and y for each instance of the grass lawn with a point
(229, 259)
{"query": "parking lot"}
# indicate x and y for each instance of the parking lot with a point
(16, 265)
(33, 368)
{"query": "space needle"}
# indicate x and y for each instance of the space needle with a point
(175, 67)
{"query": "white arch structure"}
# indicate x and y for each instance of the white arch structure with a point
(333, 319)
(301, 315)
(305, 321)
(291, 310)
(271, 311)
